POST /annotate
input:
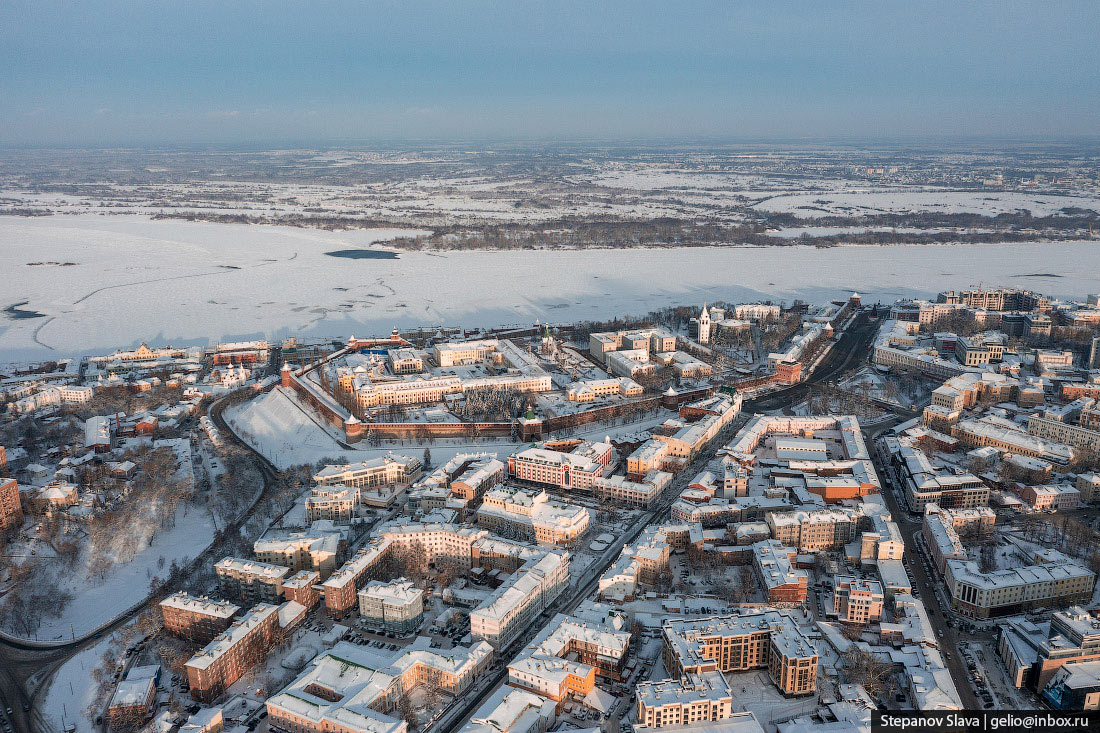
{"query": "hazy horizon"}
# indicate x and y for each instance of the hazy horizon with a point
(262, 74)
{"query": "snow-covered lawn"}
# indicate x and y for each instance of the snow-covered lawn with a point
(72, 688)
(183, 282)
(96, 602)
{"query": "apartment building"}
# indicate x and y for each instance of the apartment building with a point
(942, 540)
(777, 574)
(250, 581)
(1065, 433)
(976, 521)
(687, 441)
(642, 562)
(302, 588)
(1088, 487)
(592, 650)
(526, 594)
(551, 677)
(813, 531)
(856, 600)
(979, 350)
(332, 503)
(341, 588)
(75, 394)
(693, 698)
(134, 697)
(302, 550)
(196, 619)
(396, 605)
(1007, 436)
(476, 477)
(767, 640)
(370, 477)
(1054, 497)
(11, 506)
(923, 359)
(652, 455)
(458, 484)
(1032, 652)
(1000, 299)
(228, 656)
(926, 484)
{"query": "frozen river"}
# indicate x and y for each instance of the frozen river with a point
(133, 279)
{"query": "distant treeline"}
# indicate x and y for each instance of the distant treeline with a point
(610, 232)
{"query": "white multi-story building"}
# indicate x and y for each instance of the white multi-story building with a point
(349, 689)
(377, 482)
(533, 516)
(589, 390)
(621, 491)
(395, 605)
(511, 607)
(465, 352)
(1017, 590)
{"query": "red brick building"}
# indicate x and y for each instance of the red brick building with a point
(302, 588)
(225, 659)
(11, 509)
(196, 619)
(788, 372)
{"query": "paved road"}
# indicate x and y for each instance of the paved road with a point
(923, 584)
(847, 353)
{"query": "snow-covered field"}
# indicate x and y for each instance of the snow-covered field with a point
(96, 602)
(166, 281)
(278, 426)
(72, 689)
(862, 203)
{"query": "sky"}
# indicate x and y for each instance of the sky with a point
(269, 72)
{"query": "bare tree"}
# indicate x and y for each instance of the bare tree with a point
(861, 667)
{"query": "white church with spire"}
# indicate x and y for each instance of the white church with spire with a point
(704, 325)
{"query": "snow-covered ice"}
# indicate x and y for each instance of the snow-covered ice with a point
(167, 281)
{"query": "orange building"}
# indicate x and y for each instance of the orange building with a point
(11, 508)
